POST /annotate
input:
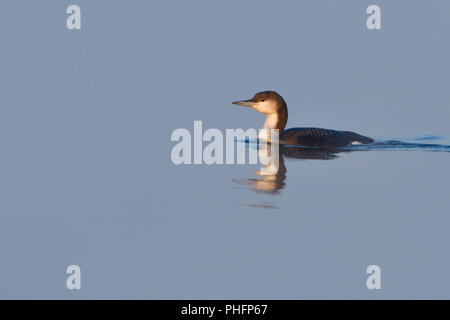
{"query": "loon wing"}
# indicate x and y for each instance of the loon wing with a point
(324, 138)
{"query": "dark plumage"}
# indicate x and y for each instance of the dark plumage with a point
(322, 138)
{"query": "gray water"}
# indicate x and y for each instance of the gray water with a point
(86, 176)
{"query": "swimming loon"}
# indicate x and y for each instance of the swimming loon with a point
(274, 107)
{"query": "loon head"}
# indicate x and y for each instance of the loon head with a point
(267, 102)
(272, 105)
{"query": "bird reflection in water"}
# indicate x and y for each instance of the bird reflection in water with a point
(272, 177)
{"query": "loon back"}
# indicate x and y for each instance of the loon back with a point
(321, 138)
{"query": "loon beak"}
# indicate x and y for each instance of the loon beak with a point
(245, 103)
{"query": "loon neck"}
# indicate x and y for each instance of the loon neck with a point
(277, 120)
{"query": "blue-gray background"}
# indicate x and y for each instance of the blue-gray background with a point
(85, 170)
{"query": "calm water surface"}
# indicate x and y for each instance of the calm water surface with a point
(86, 175)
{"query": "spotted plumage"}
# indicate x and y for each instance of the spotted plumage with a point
(322, 138)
